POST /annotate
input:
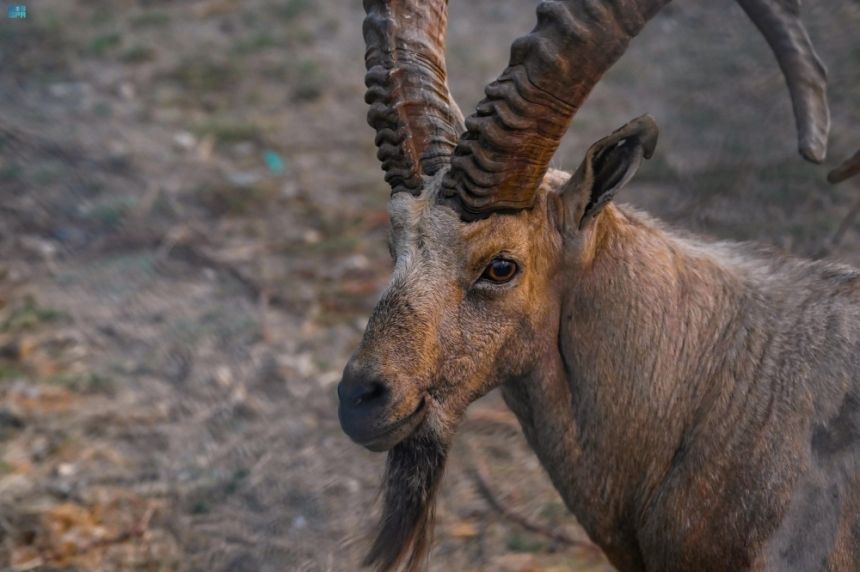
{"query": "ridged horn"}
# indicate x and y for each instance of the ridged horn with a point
(500, 161)
(416, 120)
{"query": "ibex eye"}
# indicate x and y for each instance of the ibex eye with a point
(500, 270)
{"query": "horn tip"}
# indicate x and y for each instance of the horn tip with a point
(813, 151)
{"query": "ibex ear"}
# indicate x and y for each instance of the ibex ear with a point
(608, 166)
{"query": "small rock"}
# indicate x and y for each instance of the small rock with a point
(290, 190)
(69, 89)
(206, 148)
(301, 363)
(328, 378)
(356, 262)
(127, 90)
(223, 376)
(66, 469)
(353, 486)
(243, 178)
(39, 246)
(239, 395)
(185, 140)
(312, 236)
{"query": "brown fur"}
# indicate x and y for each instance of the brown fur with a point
(697, 405)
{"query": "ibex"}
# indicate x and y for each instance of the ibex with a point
(696, 405)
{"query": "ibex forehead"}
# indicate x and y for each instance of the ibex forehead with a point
(417, 221)
(422, 218)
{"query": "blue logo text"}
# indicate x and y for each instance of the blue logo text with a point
(17, 12)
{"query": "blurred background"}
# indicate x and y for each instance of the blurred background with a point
(192, 235)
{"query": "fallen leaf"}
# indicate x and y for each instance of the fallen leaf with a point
(462, 529)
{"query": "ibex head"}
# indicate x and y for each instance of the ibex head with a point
(483, 234)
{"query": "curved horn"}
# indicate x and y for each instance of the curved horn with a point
(417, 122)
(849, 168)
(510, 139)
(780, 24)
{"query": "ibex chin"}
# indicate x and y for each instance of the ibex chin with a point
(696, 405)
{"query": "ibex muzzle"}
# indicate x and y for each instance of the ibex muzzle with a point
(695, 405)
(371, 413)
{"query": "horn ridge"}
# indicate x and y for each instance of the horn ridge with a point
(527, 110)
(411, 108)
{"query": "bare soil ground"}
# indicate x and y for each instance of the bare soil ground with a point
(192, 234)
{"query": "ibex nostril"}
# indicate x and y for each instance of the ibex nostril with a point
(357, 388)
(370, 392)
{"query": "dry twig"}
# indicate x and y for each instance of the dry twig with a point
(846, 223)
(843, 172)
(479, 475)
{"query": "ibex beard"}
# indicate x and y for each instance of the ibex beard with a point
(412, 475)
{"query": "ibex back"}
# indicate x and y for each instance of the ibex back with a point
(697, 405)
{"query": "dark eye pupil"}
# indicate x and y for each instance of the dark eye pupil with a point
(501, 270)
(502, 267)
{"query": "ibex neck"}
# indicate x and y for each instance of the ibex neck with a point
(649, 330)
(649, 322)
